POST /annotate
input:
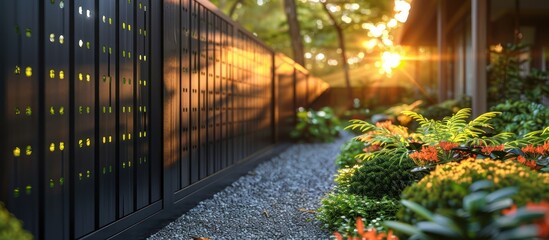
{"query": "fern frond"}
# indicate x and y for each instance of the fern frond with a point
(497, 139)
(363, 126)
(484, 118)
(416, 116)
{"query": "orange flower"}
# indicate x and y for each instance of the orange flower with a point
(543, 149)
(447, 146)
(338, 236)
(543, 224)
(372, 148)
(529, 163)
(510, 210)
(529, 149)
(427, 154)
(384, 124)
(359, 226)
(521, 159)
(371, 234)
(490, 149)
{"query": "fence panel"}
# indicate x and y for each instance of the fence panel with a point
(56, 107)
(98, 96)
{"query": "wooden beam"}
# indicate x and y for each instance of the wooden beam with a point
(441, 44)
(458, 16)
(479, 12)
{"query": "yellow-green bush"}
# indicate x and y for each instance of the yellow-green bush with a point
(444, 188)
(10, 227)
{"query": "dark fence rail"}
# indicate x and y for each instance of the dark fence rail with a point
(115, 111)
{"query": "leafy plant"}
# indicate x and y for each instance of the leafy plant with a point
(312, 125)
(480, 216)
(369, 234)
(349, 151)
(381, 178)
(508, 81)
(339, 211)
(395, 141)
(396, 112)
(442, 190)
(520, 117)
(344, 178)
(10, 227)
(382, 139)
(456, 129)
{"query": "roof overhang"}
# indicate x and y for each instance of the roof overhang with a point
(420, 29)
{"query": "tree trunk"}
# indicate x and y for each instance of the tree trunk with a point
(233, 8)
(341, 39)
(295, 33)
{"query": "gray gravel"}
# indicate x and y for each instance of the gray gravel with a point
(275, 201)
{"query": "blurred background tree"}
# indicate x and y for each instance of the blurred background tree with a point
(333, 35)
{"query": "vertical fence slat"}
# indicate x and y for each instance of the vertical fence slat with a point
(126, 103)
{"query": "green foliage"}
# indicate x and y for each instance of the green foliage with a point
(339, 211)
(507, 81)
(456, 129)
(537, 137)
(396, 142)
(520, 117)
(344, 178)
(479, 217)
(380, 178)
(349, 151)
(10, 227)
(442, 190)
(382, 139)
(313, 125)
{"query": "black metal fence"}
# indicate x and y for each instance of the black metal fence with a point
(113, 110)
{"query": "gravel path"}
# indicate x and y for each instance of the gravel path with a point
(272, 202)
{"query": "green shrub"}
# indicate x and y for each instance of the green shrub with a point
(349, 150)
(320, 125)
(381, 177)
(339, 211)
(479, 217)
(344, 178)
(10, 227)
(507, 79)
(520, 117)
(442, 190)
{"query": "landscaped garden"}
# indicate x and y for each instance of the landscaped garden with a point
(384, 124)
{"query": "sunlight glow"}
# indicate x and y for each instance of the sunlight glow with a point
(370, 44)
(333, 8)
(402, 9)
(346, 19)
(392, 23)
(320, 57)
(332, 62)
(497, 48)
(390, 60)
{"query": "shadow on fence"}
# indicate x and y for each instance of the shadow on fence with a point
(119, 112)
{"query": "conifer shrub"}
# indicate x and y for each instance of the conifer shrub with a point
(381, 177)
(444, 188)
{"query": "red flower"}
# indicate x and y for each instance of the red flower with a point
(447, 146)
(543, 224)
(521, 159)
(490, 149)
(427, 154)
(529, 149)
(543, 149)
